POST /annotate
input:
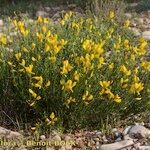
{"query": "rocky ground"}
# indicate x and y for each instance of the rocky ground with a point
(134, 137)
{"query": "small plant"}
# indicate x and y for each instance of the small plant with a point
(74, 74)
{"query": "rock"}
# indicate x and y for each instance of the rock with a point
(42, 137)
(118, 136)
(135, 31)
(20, 148)
(47, 9)
(145, 27)
(72, 6)
(126, 137)
(118, 139)
(56, 16)
(147, 124)
(8, 134)
(133, 4)
(117, 145)
(104, 139)
(139, 131)
(50, 148)
(140, 20)
(133, 24)
(137, 145)
(79, 142)
(97, 145)
(1, 23)
(126, 131)
(56, 138)
(41, 13)
(146, 34)
(144, 147)
(128, 15)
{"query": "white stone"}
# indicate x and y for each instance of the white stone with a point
(56, 138)
(140, 20)
(9, 134)
(47, 9)
(144, 148)
(146, 34)
(50, 148)
(117, 145)
(42, 137)
(1, 23)
(139, 131)
(126, 131)
(41, 13)
(128, 15)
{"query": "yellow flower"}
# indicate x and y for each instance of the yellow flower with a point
(33, 45)
(40, 19)
(47, 47)
(108, 92)
(48, 83)
(52, 59)
(39, 81)
(70, 100)
(68, 86)
(87, 45)
(40, 36)
(29, 69)
(124, 82)
(44, 29)
(136, 79)
(111, 14)
(38, 98)
(46, 20)
(3, 39)
(124, 70)
(76, 76)
(105, 84)
(52, 119)
(18, 56)
(136, 87)
(33, 59)
(11, 64)
(32, 93)
(117, 98)
(23, 63)
(25, 49)
(126, 23)
(111, 66)
(101, 62)
(126, 43)
(52, 115)
(87, 97)
(146, 65)
(66, 67)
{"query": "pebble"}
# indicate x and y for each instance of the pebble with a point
(42, 137)
(56, 138)
(47, 9)
(9, 134)
(41, 13)
(146, 34)
(135, 31)
(128, 15)
(126, 131)
(1, 23)
(139, 131)
(117, 145)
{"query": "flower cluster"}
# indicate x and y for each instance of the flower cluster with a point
(75, 65)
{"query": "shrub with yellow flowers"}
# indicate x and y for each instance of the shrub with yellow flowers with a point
(74, 73)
